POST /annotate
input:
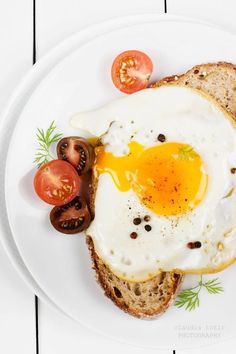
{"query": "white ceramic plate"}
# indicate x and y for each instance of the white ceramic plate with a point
(59, 265)
(18, 100)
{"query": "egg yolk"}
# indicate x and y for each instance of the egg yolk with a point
(169, 179)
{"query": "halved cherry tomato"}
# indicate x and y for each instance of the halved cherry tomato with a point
(57, 182)
(71, 218)
(131, 71)
(78, 151)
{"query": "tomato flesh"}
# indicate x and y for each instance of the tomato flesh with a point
(57, 182)
(131, 71)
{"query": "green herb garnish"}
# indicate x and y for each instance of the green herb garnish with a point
(45, 140)
(189, 298)
(187, 153)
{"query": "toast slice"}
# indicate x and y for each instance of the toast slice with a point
(151, 298)
(216, 79)
(143, 299)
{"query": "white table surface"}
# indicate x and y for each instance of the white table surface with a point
(55, 20)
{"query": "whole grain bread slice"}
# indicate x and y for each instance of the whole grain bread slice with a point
(144, 299)
(151, 298)
(216, 79)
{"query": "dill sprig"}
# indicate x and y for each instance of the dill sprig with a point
(213, 286)
(187, 153)
(45, 140)
(189, 298)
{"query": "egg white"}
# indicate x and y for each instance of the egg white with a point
(182, 115)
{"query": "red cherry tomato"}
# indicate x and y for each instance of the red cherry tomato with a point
(131, 71)
(57, 182)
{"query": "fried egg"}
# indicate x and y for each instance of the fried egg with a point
(166, 196)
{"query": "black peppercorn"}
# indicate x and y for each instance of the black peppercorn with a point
(133, 235)
(147, 228)
(137, 221)
(233, 170)
(193, 245)
(197, 244)
(161, 138)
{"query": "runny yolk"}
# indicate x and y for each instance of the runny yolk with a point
(169, 179)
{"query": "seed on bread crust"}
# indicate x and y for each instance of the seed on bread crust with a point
(117, 292)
